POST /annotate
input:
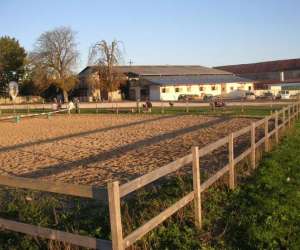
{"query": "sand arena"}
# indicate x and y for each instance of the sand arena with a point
(95, 149)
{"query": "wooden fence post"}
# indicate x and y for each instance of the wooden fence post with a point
(253, 163)
(267, 134)
(187, 106)
(283, 119)
(196, 187)
(115, 215)
(276, 127)
(289, 116)
(231, 162)
(162, 110)
(138, 106)
(294, 113)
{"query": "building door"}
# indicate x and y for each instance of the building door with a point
(223, 88)
(145, 93)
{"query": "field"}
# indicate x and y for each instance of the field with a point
(95, 149)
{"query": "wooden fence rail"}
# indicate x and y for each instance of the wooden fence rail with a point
(60, 188)
(114, 192)
(285, 116)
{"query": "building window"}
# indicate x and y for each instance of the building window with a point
(165, 90)
(189, 89)
(213, 87)
(177, 89)
(201, 88)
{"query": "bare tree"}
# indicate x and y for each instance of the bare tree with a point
(106, 56)
(54, 58)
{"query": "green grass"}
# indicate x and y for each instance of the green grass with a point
(259, 111)
(265, 213)
(227, 111)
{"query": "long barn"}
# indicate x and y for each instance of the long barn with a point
(169, 82)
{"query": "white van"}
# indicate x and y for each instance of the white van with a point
(284, 94)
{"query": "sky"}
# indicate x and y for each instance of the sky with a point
(184, 32)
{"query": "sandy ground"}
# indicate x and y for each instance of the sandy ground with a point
(94, 149)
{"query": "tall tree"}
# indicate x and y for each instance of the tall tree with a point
(54, 59)
(107, 56)
(12, 59)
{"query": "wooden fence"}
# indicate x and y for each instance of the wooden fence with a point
(17, 117)
(115, 191)
(60, 188)
(280, 119)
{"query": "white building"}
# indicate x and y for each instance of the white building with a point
(166, 82)
(169, 88)
(293, 88)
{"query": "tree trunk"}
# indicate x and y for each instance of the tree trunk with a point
(65, 96)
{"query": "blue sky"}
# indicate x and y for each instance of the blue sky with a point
(204, 32)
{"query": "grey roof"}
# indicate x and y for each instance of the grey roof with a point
(192, 79)
(289, 86)
(171, 70)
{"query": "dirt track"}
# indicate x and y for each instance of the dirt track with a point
(99, 148)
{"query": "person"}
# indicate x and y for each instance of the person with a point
(76, 101)
(212, 104)
(59, 105)
(148, 106)
(54, 105)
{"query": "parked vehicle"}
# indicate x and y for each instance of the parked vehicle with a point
(237, 94)
(268, 96)
(217, 103)
(207, 97)
(283, 94)
(184, 97)
(250, 96)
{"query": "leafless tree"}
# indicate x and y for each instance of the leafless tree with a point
(54, 58)
(106, 56)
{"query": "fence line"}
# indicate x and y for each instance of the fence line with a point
(85, 191)
(115, 191)
(120, 242)
(83, 241)
(17, 117)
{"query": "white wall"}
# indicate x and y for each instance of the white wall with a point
(170, 93)
(238, 86)
(173, 92)
(276, 88)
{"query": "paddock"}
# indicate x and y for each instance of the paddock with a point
(96, 149)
